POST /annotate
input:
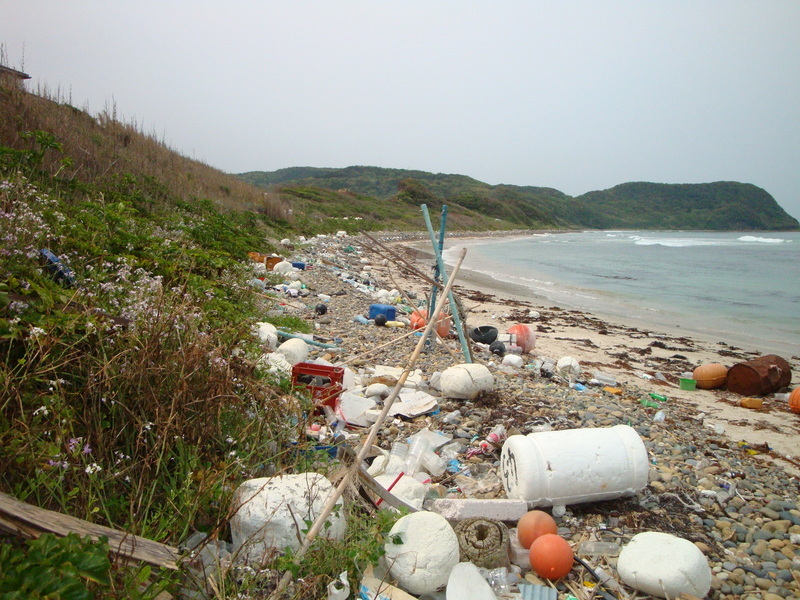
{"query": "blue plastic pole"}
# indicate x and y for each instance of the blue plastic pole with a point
(437, 250)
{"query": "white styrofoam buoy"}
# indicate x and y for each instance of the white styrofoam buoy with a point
(568, 368)
(664, 565)
(574, 465)
(513, 360)
(427, 552)
(466, 381)
(466, 581)
(283, 267)
(267, 333)
(271, 511)
(295, 350)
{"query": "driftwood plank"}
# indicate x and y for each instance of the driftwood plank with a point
(31, 521)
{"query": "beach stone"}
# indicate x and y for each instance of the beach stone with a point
(466, 381)
(664, 565)
(272, 510)
(427, 552)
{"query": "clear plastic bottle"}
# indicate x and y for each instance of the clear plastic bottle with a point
(597, 548)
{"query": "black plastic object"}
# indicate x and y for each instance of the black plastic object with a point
(498, 348)
(380, 320)
(485, 334)
(321, 309)
(60, 272)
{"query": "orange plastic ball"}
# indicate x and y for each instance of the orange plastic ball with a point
(534, 524)
(551, 556)
(794, 400)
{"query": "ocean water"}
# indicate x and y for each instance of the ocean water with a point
(738, 288)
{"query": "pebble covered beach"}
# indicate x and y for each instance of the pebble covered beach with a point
(721, 476)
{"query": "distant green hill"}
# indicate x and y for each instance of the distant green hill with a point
(724, 205)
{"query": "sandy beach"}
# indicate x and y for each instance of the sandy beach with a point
(628, 351)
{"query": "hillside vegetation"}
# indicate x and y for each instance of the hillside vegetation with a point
(130, 395)
(724, 205)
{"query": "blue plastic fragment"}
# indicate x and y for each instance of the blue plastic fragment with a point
(61, 273)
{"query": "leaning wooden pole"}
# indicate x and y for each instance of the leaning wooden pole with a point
(373, 433)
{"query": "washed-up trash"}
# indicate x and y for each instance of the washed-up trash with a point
(568, 368)
(377, 588)
(411, 404)
(572, 466)
(419, 319)
(267, 334)
(513, 360)
(485, 334)
(603, 378)
(664, 565)
(322, 381)
(339, 590)
(60, 272)
(598, 548)
(355, 409)
(270, 512)
(760, 376)
(794, 400)
(421, 551)
(391, 375)
(551, 556)
(533, 591)
(294, 350)
(283, 267)
(484, 542)
(710, 376)
(752, 403)
(465, 581)
(404, 487)
(466, 381)
(525, 337)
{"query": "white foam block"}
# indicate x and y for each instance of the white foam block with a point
(427, 552)
(664, 565)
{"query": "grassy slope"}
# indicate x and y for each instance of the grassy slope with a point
(132, 397)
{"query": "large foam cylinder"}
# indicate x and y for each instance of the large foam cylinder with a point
(574, 465)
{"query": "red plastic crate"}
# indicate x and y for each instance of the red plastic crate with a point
(324, 382)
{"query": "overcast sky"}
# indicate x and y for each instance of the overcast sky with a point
(573, 95)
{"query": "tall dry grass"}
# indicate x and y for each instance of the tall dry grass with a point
(103, 147)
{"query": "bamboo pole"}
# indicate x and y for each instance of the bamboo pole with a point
(373, 433)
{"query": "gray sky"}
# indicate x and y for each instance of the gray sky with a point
(573, 95)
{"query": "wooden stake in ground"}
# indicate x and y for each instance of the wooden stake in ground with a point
(373, 432)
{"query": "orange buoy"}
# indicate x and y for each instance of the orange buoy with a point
(551, 556)
(534, 524)
(526, 336)
(419, 319)
(794, 400)
(710, 376)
